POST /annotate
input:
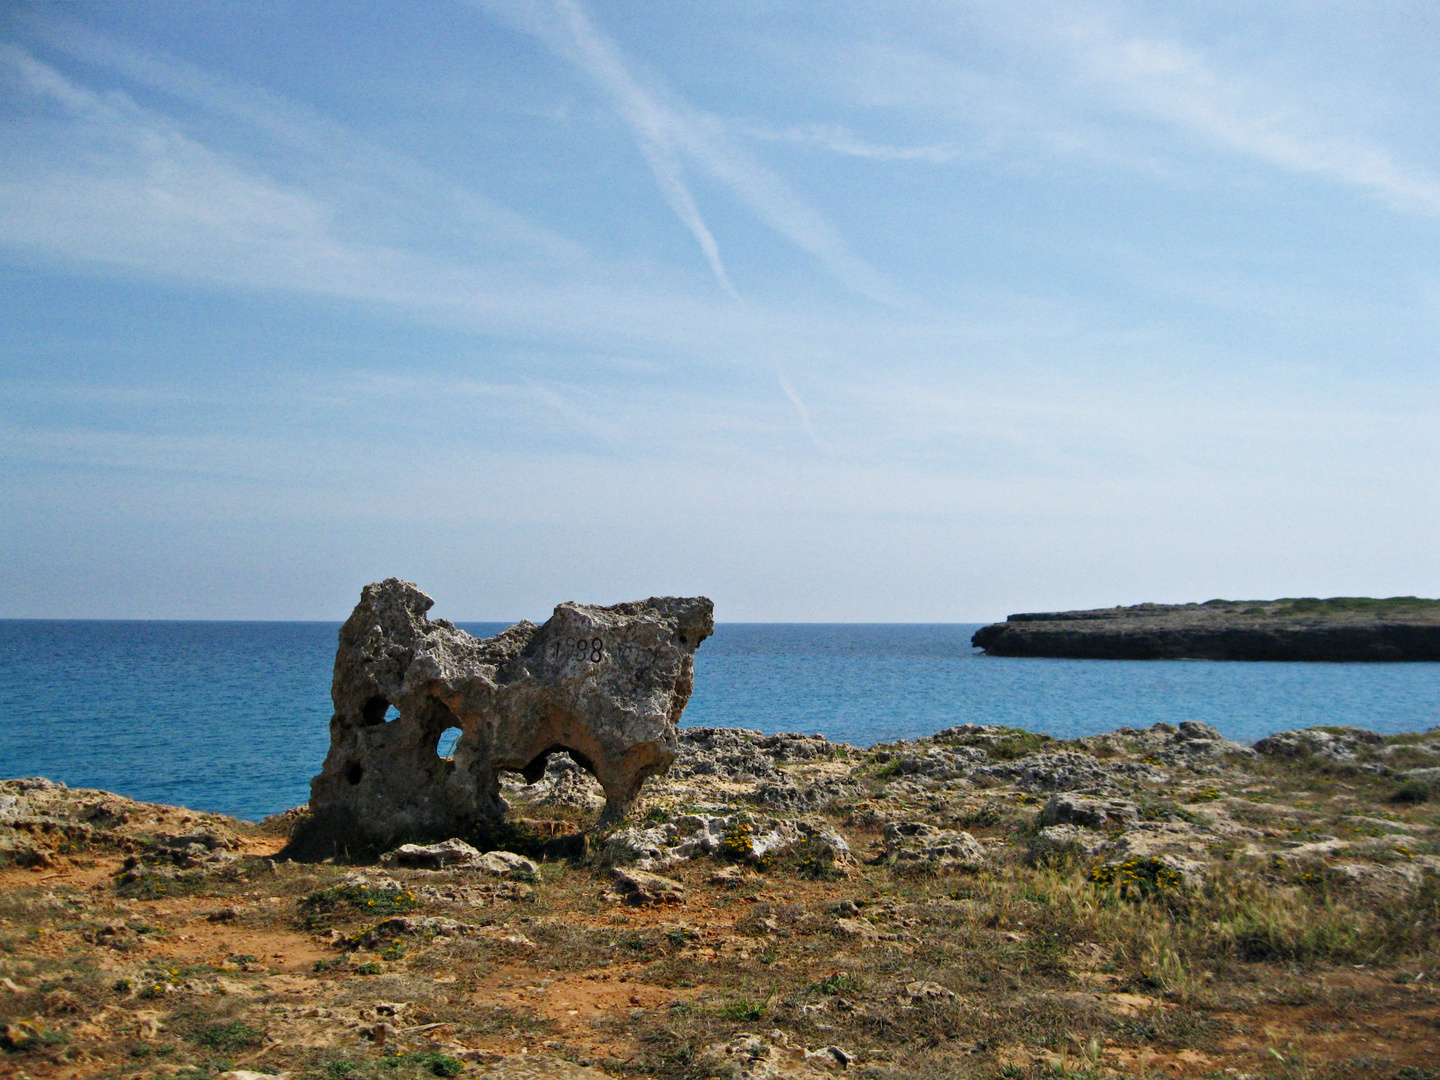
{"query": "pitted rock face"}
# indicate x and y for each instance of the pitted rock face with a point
(605, 684)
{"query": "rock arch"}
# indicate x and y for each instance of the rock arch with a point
(605, 684)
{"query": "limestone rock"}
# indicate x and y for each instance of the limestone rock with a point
(922, 991)
(751, 1057)
(915, 843)
(1338, 744)
(1091, 813)
(642, 845)
(1066, 770)
(565, 785)
(755, 839)
(505, 863)
(1192, 745)
(642, 887)
(423, 924)
(606, 685)
(449, 854)
(1056, 842)
(830, 1057)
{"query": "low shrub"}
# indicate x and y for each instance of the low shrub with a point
(432, 1061)
(234, 1035)
(1412, 792)
(1138, 878)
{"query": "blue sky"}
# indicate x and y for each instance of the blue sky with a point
(876, 312)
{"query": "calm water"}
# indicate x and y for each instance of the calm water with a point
(233, 717)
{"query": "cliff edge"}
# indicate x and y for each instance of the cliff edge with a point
(1342, 628)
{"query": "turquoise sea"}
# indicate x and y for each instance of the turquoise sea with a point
(232, 716)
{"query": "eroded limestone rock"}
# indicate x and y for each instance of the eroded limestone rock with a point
(604, 684)
(1338, 744)
(918, 843)
(641, 887)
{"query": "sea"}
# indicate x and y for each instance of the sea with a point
(232, 717)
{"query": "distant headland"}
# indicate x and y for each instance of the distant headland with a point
(1342, 628)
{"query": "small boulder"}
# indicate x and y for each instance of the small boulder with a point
(448, 854)
(829, 1057)
(641, 887)
(917, 843)
(1069, 809)
(423, 924)
(506, 863)
(917, 993)
(638, 844)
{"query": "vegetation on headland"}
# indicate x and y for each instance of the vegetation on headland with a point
(1302, 938)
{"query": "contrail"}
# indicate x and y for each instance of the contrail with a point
(800, 408)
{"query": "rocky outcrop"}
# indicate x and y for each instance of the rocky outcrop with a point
(1337, 744)
(915, 843)
(1340, 629)
(606, 685)
(43, 820)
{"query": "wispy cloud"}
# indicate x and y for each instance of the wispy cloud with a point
(327, 152)
(838, 140)
(671, 132)
(1171, 81)
(96, 179)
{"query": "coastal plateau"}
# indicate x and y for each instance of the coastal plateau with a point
(987, 902)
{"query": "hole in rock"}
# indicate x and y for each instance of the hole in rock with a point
(379, 711)
(354, 773)
(556, 794)
(445, 748)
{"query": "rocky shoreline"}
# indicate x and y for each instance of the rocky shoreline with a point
(984, 902)
(1341, 629)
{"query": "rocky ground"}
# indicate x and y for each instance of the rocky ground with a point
(983, 903)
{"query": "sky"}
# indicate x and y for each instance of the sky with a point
(902, 312)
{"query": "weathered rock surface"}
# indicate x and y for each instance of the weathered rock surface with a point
(449, 854)
(455, 854)
(916, 843)
(604, 684)
(640, 887)
(1090, 813)
(565, 785)
(1339, 629)
(41, 819)
(1338, 744)
(1067, 771)
(750, 1057)
(1054, 842)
